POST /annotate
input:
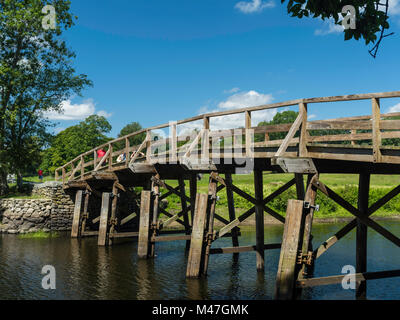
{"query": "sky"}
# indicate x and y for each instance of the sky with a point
(155, 61)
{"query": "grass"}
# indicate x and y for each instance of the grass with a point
(38, 235)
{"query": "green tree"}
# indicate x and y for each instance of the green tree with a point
(36, 75)
(371, 16)
(128, 129)
(75, 140)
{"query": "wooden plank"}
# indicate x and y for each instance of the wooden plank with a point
(299, 186)
(95, 220)
(286, 276)
(174, 143)
(171, 238)
(243, 249)
(103, 228)
(128, 218)
(196, 251)
(235, 223)
(361, 234)
(205, 145)
(248, 136)
(340, 125)
(156, 212)
(376, 131)
(85, 211)
(144, 225)
(75, 232)
(359, 277)
(258, 187)
(193, 191)
(124, 235)
(185, 209)
(114, 203)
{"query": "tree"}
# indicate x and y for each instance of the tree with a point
(36, 75)
(75, 140)
(128, 129)
(371, 17)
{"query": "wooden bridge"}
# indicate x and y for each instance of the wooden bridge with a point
(353, 145)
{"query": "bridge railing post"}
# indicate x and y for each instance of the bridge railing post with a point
(376, 131)
(205, 145)
(248, 133)
(303, 131)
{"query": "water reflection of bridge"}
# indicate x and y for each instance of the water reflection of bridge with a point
(355, 145)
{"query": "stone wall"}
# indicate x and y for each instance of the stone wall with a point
(53, 212)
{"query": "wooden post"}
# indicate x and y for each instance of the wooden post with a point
(103, 228)
(206, 139)
(85, 211)
(258, 187)
(196, 252)
(361, 235)
(144, 225)
(148, 146)
(212, 197)
(184, 210)
(231, 208)
(310, 197)
(113, 212)
(82, 167)
(75, 232)
(299, 186)
(291, 243)
(249, 153)
(303, 130)
(154, 205)
(94, 159)
(193, 191)
(110, 149)
(353, 132)
(127, 146)
(174, 144)
(376, 131)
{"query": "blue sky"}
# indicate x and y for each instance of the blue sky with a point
(155, 61)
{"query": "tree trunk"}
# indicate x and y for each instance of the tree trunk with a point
(20, 182)
(3, 183)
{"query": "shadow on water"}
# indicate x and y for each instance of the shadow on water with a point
(86, 271)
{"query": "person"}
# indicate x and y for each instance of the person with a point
(121, 158)
(100, 153)
(40, 173)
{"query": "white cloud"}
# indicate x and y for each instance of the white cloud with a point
(241, 100)
(330, 27)
(395, 108)
(233, 90)
(311, 116)
(104, 114)
(394, 7)
(254, 6)
(70, 111)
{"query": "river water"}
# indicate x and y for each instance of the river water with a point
(86, 271)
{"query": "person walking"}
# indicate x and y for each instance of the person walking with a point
(40, 173)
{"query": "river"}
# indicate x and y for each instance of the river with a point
(86, 271)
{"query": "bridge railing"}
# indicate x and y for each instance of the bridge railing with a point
(252, 141)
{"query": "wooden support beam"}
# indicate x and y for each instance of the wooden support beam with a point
(193, 191)
(85, 211)
(258, 187)
(155, 206)
(128, 218)
(351, 225)
(104, 214)
(310, 197)
(113, 212)
(231, 209)
(294, 128)
(184, 210)
(144, 225)
(299, 186)
(212, 199)
(196, 252)
(75, 232)
(362, 235)
(292, 236)
(243, 249)
(359, 277)
(248, 136)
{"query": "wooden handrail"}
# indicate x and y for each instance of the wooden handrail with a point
(341, 123)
